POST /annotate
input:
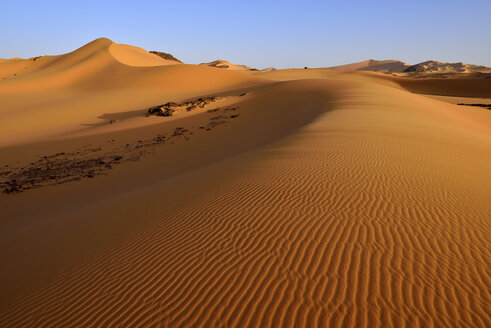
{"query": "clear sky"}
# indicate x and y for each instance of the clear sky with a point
(257, 33)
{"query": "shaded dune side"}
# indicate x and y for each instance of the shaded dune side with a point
(369, 216)
(373, 65)
(455, 86)
(272, 113)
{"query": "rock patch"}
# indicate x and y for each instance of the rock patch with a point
(169, 108)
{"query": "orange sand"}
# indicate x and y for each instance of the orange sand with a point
(333, 199)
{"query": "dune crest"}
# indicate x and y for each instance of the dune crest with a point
(135, 56)
(388, 66)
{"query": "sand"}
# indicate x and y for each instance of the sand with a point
(386, 66)
(296, 198)
(220, 63)
(428, 68)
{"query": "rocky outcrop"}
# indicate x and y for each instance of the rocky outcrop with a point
(162, 110)
(169, 108)
(165, 56)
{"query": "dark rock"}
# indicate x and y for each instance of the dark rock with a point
(166, 112)
(165, 56)
(154, 110)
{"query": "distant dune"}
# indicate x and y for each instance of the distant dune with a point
(397, 66)
(220, 63)
(432, 66)
(137, 191)
(390, 66)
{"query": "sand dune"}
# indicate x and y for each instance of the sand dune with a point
(11, 67)
(220, 63)
(296, 198)
(134, 56)
(390, 66)
(456, 85)
(427, 68)
(65, 94)
(432, 66)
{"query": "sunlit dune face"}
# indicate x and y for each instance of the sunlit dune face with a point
(134, 56)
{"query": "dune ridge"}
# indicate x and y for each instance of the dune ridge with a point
(60, 95)
(134, 56)
(332, 200)
(390, 66)
(432, 66)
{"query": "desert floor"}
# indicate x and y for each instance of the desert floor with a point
(291, 198)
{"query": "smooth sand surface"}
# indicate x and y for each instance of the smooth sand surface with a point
(135, 56)
(298, 198)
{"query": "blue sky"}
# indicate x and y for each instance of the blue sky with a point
(257, 33)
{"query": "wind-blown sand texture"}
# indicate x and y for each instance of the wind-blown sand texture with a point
(297, 198)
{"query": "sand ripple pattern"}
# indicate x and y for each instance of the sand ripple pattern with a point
(333, 228)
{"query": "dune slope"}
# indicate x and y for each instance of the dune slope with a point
(134, 56)
(391, 66)
(330, 200)
(65, 94)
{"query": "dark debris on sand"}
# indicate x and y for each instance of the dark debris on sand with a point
(90, 161)
(169, 108)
